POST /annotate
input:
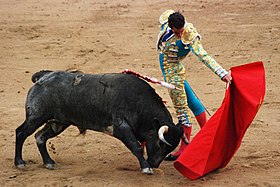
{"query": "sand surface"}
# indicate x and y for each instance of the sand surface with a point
(110, 36)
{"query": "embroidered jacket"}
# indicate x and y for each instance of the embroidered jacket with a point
(176, 49)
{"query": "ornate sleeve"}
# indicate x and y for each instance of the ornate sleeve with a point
(211, 63)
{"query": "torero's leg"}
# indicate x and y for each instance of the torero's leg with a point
(195, 105)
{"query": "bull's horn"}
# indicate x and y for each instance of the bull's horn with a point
(162, 130)
(185, 139)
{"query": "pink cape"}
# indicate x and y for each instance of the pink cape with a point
(215, 144)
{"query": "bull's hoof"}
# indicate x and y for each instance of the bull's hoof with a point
(148, 171)
(50, 166)
(20, 164)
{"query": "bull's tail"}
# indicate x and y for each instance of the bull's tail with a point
(36, 76)
(82, 131)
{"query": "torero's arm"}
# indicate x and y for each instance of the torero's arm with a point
(197, 48)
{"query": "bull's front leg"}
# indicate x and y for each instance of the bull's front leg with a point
(123, 132)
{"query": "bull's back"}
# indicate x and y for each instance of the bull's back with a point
(110, 92)
(91, 99)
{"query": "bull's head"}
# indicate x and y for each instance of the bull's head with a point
(165, 139)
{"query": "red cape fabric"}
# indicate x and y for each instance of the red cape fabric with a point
(215, 144)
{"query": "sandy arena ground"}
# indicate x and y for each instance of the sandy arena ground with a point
(110, 36)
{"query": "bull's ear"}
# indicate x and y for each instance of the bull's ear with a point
(156, 124)
(179, 123)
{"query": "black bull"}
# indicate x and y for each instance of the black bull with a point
(122, 105)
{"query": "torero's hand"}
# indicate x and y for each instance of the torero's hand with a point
(227, 78)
